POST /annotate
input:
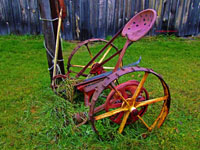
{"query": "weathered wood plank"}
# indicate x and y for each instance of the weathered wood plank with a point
(116, 16)
(120, 14)
(129, 4)
(172, 14)
(76, 6)
(180, 7)
(34, 21)
(160, 14)
(193, 18)
(25, 16)
(110, 17)
(198, 19)
(9, 15)
(16, 13)
(4, 28)
(185, 19)
(133, 7)
(146, 5)
(94, 14)
(67, 23)
(99, 18)
(152, 6)
(84, 20)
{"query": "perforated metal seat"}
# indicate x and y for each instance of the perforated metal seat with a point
(139, 25)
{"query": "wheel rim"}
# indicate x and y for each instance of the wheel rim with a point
(91, 51)
(127, 89)
(131, 106)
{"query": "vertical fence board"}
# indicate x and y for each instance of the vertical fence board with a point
(84, 20)
(120, 14)
(34, 21)
(102, 19)
(172, 14)
(99, 18)
(198, 19)
(25, 23)
(110, 16)
(146, 6)
(116, 16)
(129, 3)
(125, 11)
(16, 17)
(67, 23)
(94, 14)
(180, 8)
(9, 18)
(186, 16)
(160, 8)
(151, 5)
(133, 7)
(192, 22)
(76, 14)
(4, 29)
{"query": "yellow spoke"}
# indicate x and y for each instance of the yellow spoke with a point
(109, 68)
(106, 53)
(110, 113)
(144, 123)
(123, 123)
(147, 102)
(80, 66)
(120, 95)
(137, 92)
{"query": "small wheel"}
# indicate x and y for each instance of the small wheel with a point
(64, 87)
(89, 49)
(128, 102)
(127, 90)
(57, 80)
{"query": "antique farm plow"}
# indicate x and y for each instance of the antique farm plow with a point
(116, 93)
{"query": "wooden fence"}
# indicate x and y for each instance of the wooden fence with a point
(99, 18)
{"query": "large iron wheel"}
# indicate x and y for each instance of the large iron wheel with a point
(90, 48)
(133, 107)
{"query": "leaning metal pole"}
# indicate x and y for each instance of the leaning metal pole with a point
(49, 20)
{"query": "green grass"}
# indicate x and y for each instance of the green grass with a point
(33, 117)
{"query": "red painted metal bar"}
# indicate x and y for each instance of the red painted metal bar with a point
(116, 35)
(122, 55)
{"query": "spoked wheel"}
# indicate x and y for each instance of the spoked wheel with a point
(126, 90)
(64, 87)
(89, 49)
(128, 102)
(58, 81)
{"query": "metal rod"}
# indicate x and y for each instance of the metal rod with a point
(57, 44)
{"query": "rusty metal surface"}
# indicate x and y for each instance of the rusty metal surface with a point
(92, 60)
(94, 87)
(109, 79)
(86, 43)
(180, 17)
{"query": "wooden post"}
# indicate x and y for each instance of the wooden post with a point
(49, 27)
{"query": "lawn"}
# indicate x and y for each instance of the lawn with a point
(33, 117)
